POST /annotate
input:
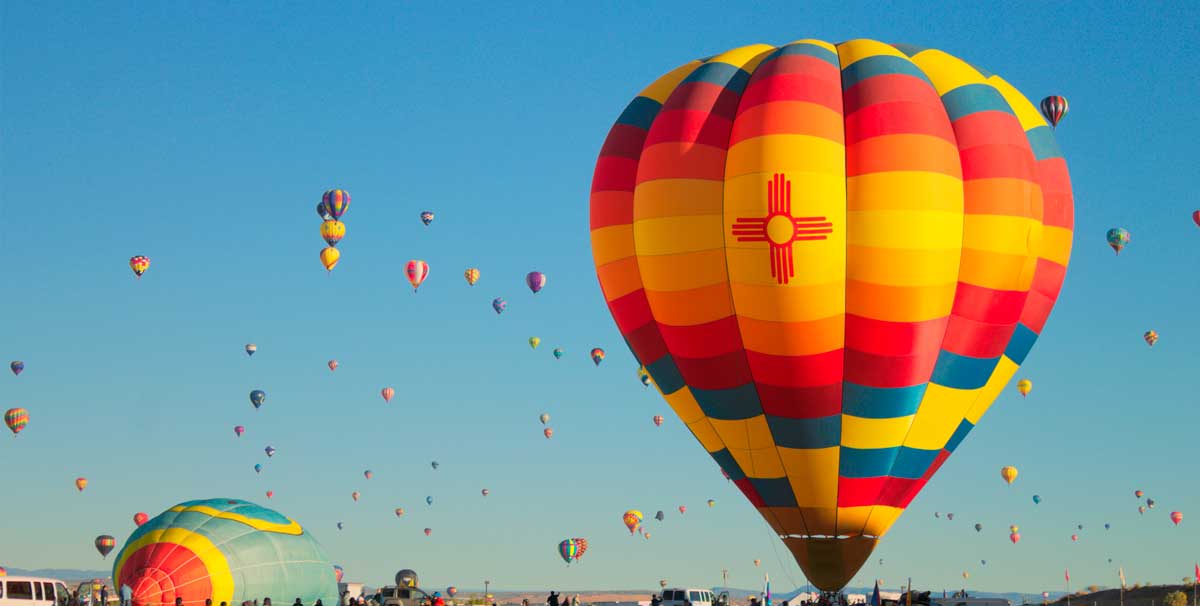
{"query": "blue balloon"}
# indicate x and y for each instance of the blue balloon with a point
(257, 468)
(1036, 499)
(429, 500)
(257, 397)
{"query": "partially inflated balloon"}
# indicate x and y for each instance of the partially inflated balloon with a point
(250, 349)
(104, 544)
(416, 271)
(1008, 473)
(16, 367)
(534, 342)
(238, 430)
(330, 257)
(1117, 239)
(257, 397)
(1054, 108)
(472, 276)
(499, 305)
(333, 365)
(140, 518)
(1176, 517)
(224, 549)
(336, 202)
(426, 217)
(387, 393)
(333, 232)
(535, 280)
(548, 432)
(1150, 337)
(658, 420)
(632, 520)
(844, 250)
(16, 419)
(1024, 386)
(139, 264)
(80, 484)
(544, 418)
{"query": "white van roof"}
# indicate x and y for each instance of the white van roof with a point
(13, 577)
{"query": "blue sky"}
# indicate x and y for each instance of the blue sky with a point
(202, 135)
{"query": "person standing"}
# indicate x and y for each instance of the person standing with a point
(104, 595)
(126, 594)
(553, 599)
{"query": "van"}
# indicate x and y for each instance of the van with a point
(687, 597)
(33, 591)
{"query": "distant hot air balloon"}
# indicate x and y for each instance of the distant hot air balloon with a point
(1074, 537)
(270, 493)
(451, 591)
(387, 393)
(683, 509)
(1141, 509)
(1107, 526)
(238, 430)
(1054, 108)
(81, 483)
(336, 202)
(1150, 503)
(645, 535)
(433, 464)
(644, 376)
(1139, 494)
(1014, 537)
(1037, 499)
(354, 495)
(937, 514)
(567, 550)
(485, 492)
(399, 511)
(499, 305)
(16, 419)
(1009, 473)
(983, 562)
(417, 271)
(339, 525)
(548, 432)
(258, 468)
(1176, 517)
(330, 257)
(1079, 527)
(333, 365)
(559, 353)
(950, 516)
(1117, 239)
(333, 232)
(536, 281)
(534, 342)
(368, 474)
(662, 583)
(658, 420)
(322, 212)
(1150, 337)
(16, 367)
(543, 418)
(429, 500)
(472, 276)
(711, 502)
(660, 515)
(1013, 528)
(965, 575)
(270, 450)
(978, 527)
(250, 349)
(426, 217)
(338, 573)
(105, 544)
(632, 520)
(257, 397)
(1024, 386)
(140, 518)
(597, 355)
(428, 531)
(139, 264)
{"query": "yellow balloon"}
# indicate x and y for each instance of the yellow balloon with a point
(534, 342)
(330, 257)
(333, 231)
(1024, 386)
(472, 276)
(1009, 473)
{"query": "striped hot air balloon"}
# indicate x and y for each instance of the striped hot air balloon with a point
(16, 419)
(1054, 108)
(336, 202)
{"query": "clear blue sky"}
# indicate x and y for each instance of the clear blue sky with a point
(202, 134)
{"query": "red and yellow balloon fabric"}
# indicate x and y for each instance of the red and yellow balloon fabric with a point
(416, 271)
(831, 259)
(139, 264)
(80, 484)
(16, 419)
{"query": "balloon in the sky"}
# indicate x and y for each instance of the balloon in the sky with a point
(662, 583)
(428, 531)
(270, 451)
(950, 516)
(1107, 526)
(1141, 509)
(333, 365)
(426, 217)
(1074, 537)
(804, 319)
(1079, 527)
(1037, 499)
(543, 418)
(16, 367)
(1054, 108)
(965, 575)
(1176, 517)
(548, 432)
(333, 232)
(1150, 503)
(534, 342)
(339, 525)
(472, 276)
(139, 264)
(683, 509)
(354, 495)
(387, 393)
(485, 492)
(336, 202)
(1009, 473)
(429, 500)
(338, 573)
(568, 550)
(1014, 537)
(498, 304)
(1139, 494)
(80, 484)
(227, 550)
(632, 520)
(597, 355)
(983, 562)
(1013, 528)
(140, 518)
(105, 544)
(757, 562)
(451, 591)
(536, 281)
(16, 419)
(330, 257)
(368, 474)
(238, 430)
(1024, 386)
(658, 420)
(937, 514)
(978, 527)
(1150, 337)
(559, 353)
(258, 468)
(645, 535)
(433, 464)
(643, 376)
(1117, 239)
(322, 212)
(270, 493)
(257, 397)
(416, 270)
(660, 515)
(399, 511)
(711, 502)
(250, 349)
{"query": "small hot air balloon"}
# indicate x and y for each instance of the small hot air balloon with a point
(1117, 239)
(1054, 108)
(322, 212)
(399, 511)
(140, 518)
(548, 432)
(333, 365)
(429, 500)
(387, 393)
(257, 397)
(426, 218)
(644, 376)
(338, 573)
(711, 502)
(336, 202)
(536, 281)
(1079, 527)
(1074, 537)
(659, 516)
(597, 355)
(950, 516)
(485, 492)
(534, 342)
(368, 474)
(354, 495)
(428, 531)
(339, 525)
(757, 562)
(1013, 528)
(238, 430)
(270, 450)
(543, 418)
(683, 509)
(978, 527)
(433, 464)
(1150, 503)
(1139, 494)
(983, 562)
(1037, 499)
(1009, 473)
(559, 353)
(330, 257)
(105, 544)
(1107, 526)
(645, 535)
(567, 550)
(658, 420)
(416, 270)
(1024, 386)
(1014, 537)
(270, 493)
(332, 232)
(1176, 517)
(250, 349)
(472, 276)
(16, 419)
(632, 520)
(499, 305)
(81, 483)
(16, 367)
(258, 468)
(662, 583)
(139, 265)
(451, 591)
(937, 514)
(965, 575)
(1151, 337)
(1141, 509)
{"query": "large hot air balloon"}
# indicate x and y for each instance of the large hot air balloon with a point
(257, 397)
(632, 520)
(330, 257)
(548, 432)
(1024, 386)
(534, 342)
(597, 355)
(16, 419)
(1196, 217)
(416, 270)
(333, 232)
(16, 366)
(536, 281)
(1117, 239)
(336, 202)
(227, 550)
(140, 518)
(559, 353)
(1054, 108)
(544, 418)
(658, 420)
(472, 276)
(387, 393)
(1176, 517)
(1150, 337)
(139, 264)
(581, 546)
(250, 349)
(426, 218)
(80, 484)
(104, 544)
(841, 255)
(1008, 473)
(499, 305)
(333, 365)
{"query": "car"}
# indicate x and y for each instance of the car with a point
(687, 597)
(33, 591)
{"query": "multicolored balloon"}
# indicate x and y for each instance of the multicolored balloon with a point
(548, 432)
(1150, 337)
(426, 218)
(597, 355)
(399, 511)
(416, 270)
(354, 495)
(227, 550)
(330, 257)
(80, 484)
(1139, 494)
(16, 419)
(570, 550)
(544, 418)
(1141, 509)
(368, 474)
(336, 202)
(499, 305)
(658, 420)
(140, 518)
(387, 393)
(333, 365)
(1008, 473)
(270, 450)
(1117, 239)
(238, 430)
(632, 520)
(428, 531)
(333, 232)
(104, 544)
(472, 276)
(139, 264)
(250, 349)
(1024, 386)
(451, 591)
(1054, 108)
(16, 366)
(534, 342)
(536, 281)
(257, 397)
(712, 502)
(485, 492)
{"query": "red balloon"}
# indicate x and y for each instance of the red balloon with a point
(1196, 217)
(140, 518)
(1014, 537)
(1176, 517)
(428, 531)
